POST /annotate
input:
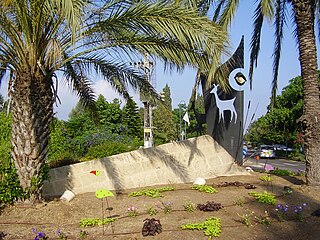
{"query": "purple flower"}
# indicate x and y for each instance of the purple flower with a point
(34, 230)
(58, 232)
(40, 234)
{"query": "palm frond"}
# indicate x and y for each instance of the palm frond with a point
(71, 10)
(218, 9)
(228, 13)
(120, 76)
(267, 8)
(77, 79)
(255, 40)
(166, 21)
(280, 21)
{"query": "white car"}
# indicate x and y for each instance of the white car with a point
(267, 151)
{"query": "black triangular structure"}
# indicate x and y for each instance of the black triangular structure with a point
(224, 116)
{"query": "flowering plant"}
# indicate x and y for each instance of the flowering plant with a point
(39, 235)
(298, 210)
(132, 211)
(61, 235)
(282, 212)
(265, 219)
(246, 218)
(167, 207)
(151, 210)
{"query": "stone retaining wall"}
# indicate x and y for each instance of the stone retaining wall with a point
(178, 162)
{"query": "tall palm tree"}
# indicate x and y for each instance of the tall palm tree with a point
(304, 14)
(43, 42)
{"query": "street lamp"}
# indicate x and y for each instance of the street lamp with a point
(146, 66)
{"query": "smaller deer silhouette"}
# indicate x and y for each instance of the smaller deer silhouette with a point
(224, 105)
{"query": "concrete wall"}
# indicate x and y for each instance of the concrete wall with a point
(178, 162)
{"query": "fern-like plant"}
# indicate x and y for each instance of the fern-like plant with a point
(211, 227)
(204, 188)
(265, 197)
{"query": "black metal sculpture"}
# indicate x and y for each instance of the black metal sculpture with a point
(224, 111)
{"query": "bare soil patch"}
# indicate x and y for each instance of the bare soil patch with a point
(17, 221)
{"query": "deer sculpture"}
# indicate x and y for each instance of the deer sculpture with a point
(224, 105)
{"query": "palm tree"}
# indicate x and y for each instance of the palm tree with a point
(44, 42)
(304, 14)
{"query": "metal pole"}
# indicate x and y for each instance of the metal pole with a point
(180, 130)
(150, 124)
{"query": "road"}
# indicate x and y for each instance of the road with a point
(280, 163)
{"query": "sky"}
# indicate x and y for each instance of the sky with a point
(181, 84)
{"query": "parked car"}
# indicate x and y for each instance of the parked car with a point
(280, 147)
(267, 151)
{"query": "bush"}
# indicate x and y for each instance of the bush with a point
(10, 189)
(297, 156)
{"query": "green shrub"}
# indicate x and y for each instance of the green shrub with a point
(91, 222)
(10, 189)
(151, 192)
(265, 197)
(211, 227)
(297, 156)
(204, 188)
(282, 172)
(266, 178)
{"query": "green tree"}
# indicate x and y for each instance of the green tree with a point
(196, 129)
(303, 15)
(131, 121)
(110, 115)
(280, 125)
(178, 114)
(164, 127)
(40, 38)
(60, 148)
(80, 121)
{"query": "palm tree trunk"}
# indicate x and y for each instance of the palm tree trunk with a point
(32, 115)
(304, 18)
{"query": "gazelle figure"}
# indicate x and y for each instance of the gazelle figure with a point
(224, 105)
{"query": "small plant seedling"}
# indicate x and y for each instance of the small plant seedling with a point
(189, 206)
(246, 218)
(83, 234)
(239, 201)
(91, 222)
(151, 192)
(132, 211)
(166, 206)
(265, 219)
(204, 188)
(265, 197)
(211, 227)
(152, 211)
(266, 178)
(61, 235)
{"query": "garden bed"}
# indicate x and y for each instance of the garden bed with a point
(240, 214)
